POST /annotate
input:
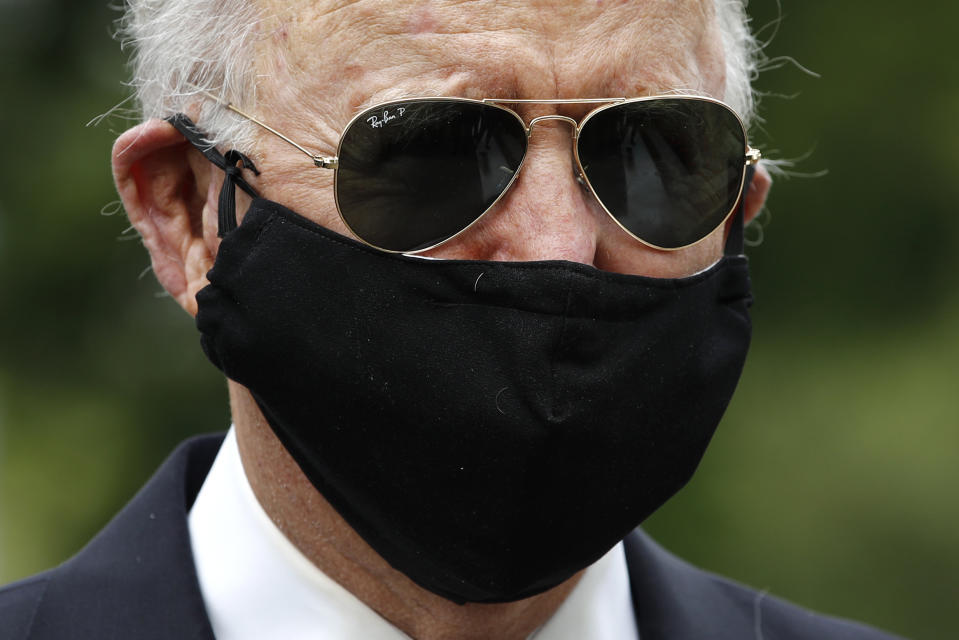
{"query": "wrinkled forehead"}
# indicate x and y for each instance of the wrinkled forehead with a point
(351, 54)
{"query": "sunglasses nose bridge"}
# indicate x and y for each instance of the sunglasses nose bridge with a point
(577, 169)
(570, 121)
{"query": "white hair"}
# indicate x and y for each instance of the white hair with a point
(743, 57)
(182, 48)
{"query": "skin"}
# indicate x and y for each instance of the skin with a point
(319, 63)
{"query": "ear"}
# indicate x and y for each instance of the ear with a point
(168, 190)
(757, 193)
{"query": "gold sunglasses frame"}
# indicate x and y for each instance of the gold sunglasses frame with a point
(751, 156)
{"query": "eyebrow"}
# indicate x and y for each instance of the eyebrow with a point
(394, 93)
(433, 90)
(462, 84)
(686, 92)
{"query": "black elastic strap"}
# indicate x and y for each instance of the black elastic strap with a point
(734, 241)
(226, 207)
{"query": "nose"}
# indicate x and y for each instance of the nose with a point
(545, 215)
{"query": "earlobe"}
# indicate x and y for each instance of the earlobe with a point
(164, 185)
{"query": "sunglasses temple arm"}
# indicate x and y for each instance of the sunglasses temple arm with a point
(322, 162)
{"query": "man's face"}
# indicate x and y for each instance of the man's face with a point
(322, 62)
(319, 64)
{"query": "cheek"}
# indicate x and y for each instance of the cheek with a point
(296, 184)
(620, 253)
(707, 252)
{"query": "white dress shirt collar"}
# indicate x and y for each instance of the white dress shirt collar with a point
(256, 584)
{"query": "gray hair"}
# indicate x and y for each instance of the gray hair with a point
(743, 57)
(182, 48)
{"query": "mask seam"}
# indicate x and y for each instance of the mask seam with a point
(226, 291)
(553, 416)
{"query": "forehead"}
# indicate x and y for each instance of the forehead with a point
(345, 55)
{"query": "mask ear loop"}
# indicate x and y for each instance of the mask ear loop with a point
(734, 241)
(226, 207)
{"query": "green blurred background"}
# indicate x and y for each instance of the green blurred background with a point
(833, 479)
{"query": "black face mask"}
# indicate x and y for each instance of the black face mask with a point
(490, 429)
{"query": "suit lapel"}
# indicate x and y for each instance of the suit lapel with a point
(676, 601)
(136, 579)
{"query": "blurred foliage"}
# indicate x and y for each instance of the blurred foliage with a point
(99, 379)
(831, 481)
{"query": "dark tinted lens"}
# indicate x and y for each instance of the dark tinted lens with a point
(670, 170)
(414, 173)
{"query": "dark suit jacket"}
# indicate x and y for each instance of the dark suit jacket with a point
(136, 581)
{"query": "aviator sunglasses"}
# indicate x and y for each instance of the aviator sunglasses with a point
(411, 174)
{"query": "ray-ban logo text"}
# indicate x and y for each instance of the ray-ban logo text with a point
(377, 121)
